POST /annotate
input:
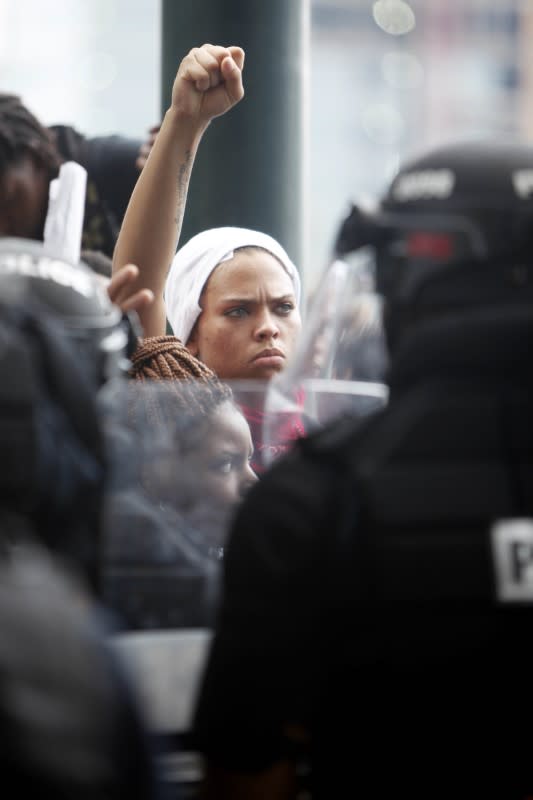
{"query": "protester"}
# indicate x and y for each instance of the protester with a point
(232, 294)
(30, 156)
(71, 724)
(373, 637)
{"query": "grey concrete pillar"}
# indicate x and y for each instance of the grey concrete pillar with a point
(250, 166)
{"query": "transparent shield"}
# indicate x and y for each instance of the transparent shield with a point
(180, 464)
(282, 425)
(340, 365)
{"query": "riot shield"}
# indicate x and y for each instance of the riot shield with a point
(180, 454)
(340, 365)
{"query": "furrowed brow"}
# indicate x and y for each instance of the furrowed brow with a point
(238, 300)
(253, 301)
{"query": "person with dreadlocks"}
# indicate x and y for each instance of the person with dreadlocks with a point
(30, 157)
(166, 358)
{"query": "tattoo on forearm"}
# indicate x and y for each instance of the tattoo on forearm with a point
(184, 175)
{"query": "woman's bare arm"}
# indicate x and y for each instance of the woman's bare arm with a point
(208, 83)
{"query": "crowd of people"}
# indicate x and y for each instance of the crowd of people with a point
(368, 584)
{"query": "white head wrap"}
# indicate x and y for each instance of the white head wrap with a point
(195, 261)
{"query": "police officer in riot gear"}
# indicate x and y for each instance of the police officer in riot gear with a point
(62, 340)
(30, 273)
(70, 725)
(374, 634)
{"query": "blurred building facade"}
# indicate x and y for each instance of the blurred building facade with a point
(384, 79)
(391, 78)
(94, 65)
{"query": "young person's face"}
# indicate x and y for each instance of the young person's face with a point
(24, 199)
(224, 461)
(205, 470)
(208, 463)
(249, 322)
(216, 473)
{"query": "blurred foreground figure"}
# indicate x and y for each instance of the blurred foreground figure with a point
(374, 638)
(69, 722)
(61, 340)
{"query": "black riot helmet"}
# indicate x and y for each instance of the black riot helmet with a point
(453, 233)
(75, 297)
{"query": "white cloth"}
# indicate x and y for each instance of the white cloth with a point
(66, 208)
(195, 261)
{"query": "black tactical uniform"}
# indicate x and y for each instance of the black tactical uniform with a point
(378, 586)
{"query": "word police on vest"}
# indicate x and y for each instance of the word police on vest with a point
(512, 551)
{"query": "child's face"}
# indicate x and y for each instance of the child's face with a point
(223, 463)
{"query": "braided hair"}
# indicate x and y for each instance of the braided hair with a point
(192, 388)
(166, 358)
(21, 134)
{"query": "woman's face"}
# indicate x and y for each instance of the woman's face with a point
(249, 322)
